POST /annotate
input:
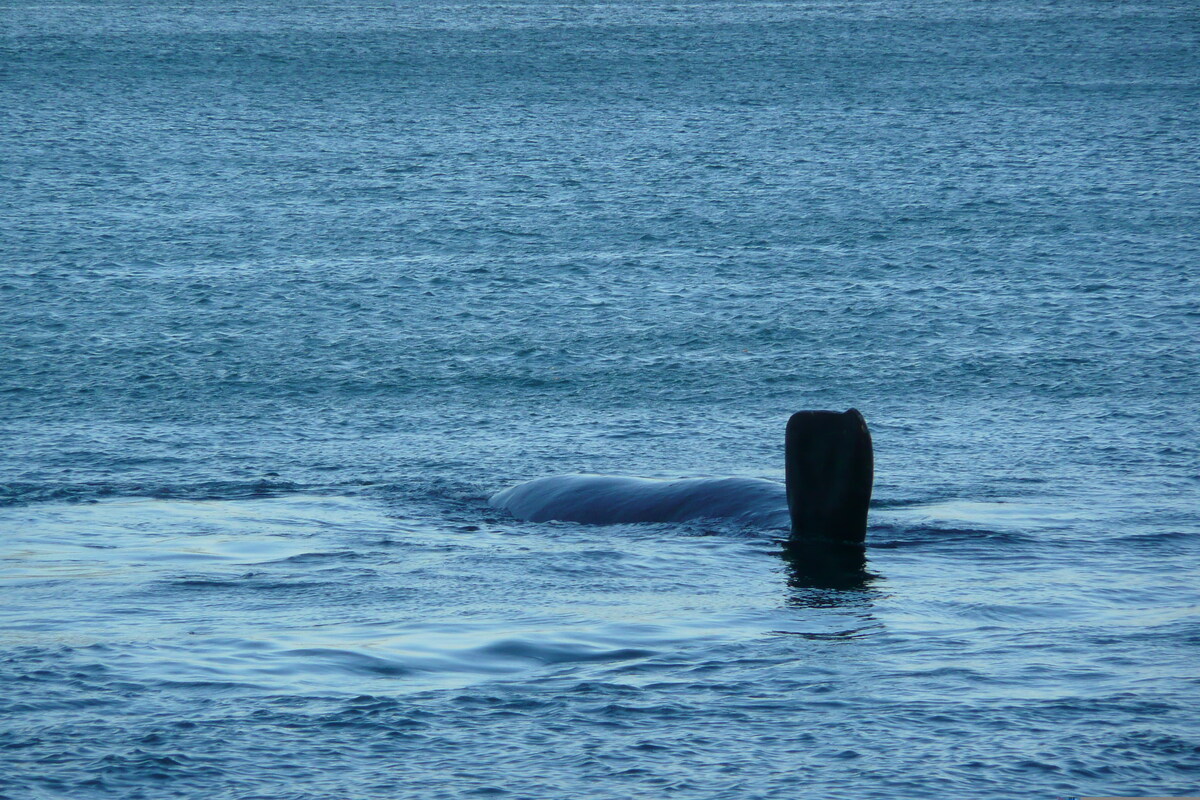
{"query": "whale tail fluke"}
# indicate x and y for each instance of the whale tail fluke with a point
(830, 471)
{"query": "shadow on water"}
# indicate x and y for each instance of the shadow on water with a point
(827, 575)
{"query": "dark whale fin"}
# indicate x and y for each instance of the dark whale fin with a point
(830, 471)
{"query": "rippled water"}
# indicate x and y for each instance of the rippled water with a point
(286, 292)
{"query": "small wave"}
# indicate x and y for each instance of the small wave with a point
(347, 660)
(835, 636)
(893, 537)
(1161, 537)
(557, 653)
(251, 581)
(317, 557)
(19, 494)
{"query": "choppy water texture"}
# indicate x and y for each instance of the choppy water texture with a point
(287, 291)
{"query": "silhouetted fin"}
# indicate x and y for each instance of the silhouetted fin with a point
(830, 472)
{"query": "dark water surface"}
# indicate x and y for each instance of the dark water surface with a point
(287, 291)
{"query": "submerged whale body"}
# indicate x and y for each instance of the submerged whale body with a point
(829, 469)
(609, 500)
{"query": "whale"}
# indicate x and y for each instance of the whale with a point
(828, 477)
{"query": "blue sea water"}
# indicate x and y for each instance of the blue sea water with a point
(288, 290)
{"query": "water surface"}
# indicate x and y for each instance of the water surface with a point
(286, 292)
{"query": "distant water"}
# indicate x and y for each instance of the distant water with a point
(286, 291)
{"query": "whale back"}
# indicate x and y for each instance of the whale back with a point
(830, 471)
(608, 500)
(829, 467)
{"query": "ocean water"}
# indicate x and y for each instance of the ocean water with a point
(287, 291)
